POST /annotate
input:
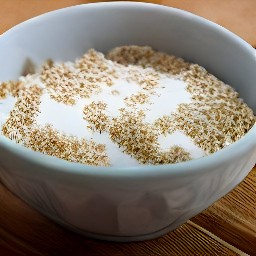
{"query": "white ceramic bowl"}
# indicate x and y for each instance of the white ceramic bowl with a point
(127, 204)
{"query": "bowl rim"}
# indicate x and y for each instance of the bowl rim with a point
(194, 166)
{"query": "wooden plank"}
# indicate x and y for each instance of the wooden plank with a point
(186, 240)
(233, 218)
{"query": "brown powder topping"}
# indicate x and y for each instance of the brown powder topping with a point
(137, 98)
(133, 135)
(165, 125)
(94, 115)
(66, 83)
(115, 92)
(146, 57)
(22, 117)
(215, 117)
(51, 142)
(10, 88)
(140, 140)
(146, 78)
(21, 126)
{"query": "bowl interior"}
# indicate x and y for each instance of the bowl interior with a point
(68, 33)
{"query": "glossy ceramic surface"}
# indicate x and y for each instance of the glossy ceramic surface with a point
(126, 204)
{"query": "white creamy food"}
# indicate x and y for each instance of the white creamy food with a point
(134, 106)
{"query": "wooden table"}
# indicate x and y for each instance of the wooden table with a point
(228, 227)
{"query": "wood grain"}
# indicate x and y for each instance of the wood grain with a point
(23, 231)
(233, 218)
